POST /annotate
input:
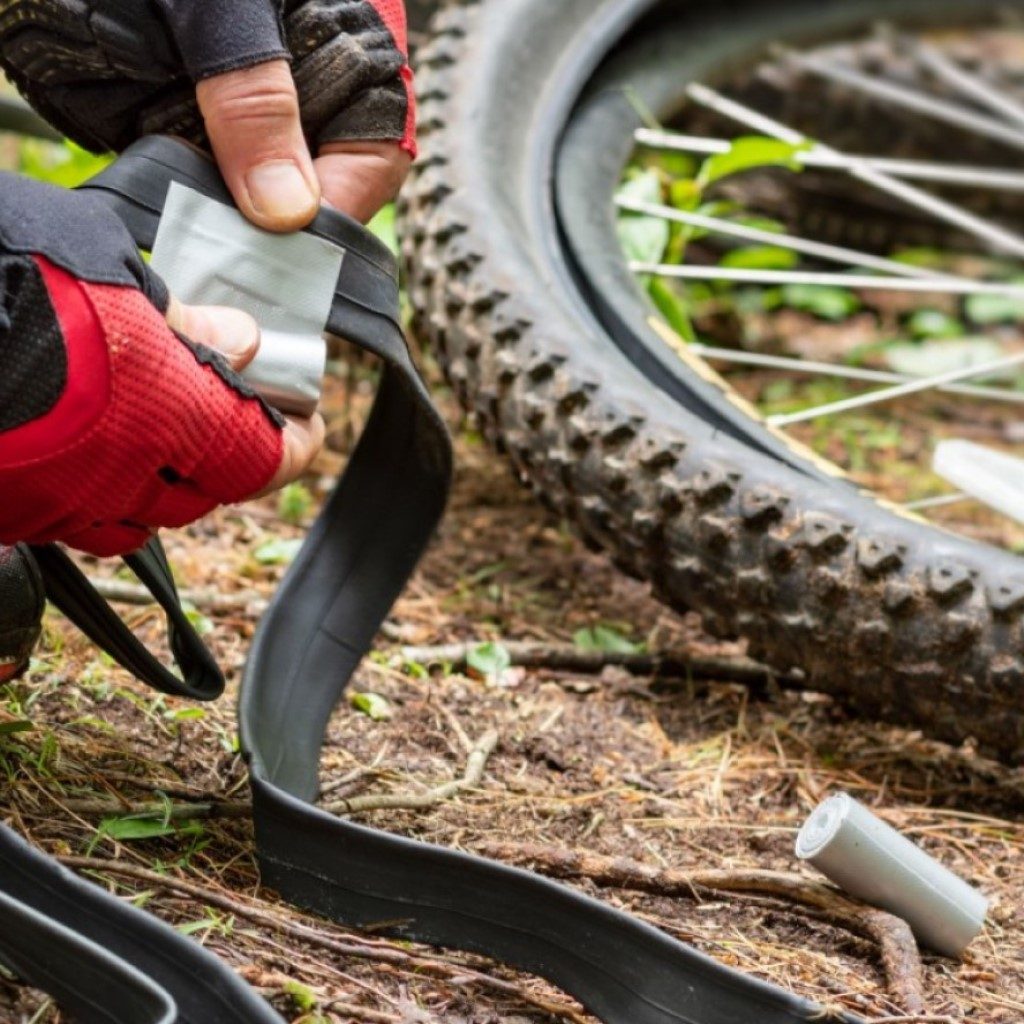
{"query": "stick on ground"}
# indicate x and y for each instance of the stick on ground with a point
(899, 954)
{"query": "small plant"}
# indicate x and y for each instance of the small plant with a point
(294, 503)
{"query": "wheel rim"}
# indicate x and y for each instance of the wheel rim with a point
(599, 272)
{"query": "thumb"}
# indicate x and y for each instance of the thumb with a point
(252, 118)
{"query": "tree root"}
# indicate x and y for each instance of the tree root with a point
(898, 948)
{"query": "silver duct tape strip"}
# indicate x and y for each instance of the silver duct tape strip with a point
(872, 861)
(210, 255)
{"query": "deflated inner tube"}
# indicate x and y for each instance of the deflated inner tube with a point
(356, 559)
(515, 277)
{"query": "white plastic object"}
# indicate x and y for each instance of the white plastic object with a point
(873, 862)
(993, 477)
(209, 254)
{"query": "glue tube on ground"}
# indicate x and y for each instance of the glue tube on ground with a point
(993, 477)
(873, 862)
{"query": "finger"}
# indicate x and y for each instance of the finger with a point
(252, 118)
(361, 177)
(234, 334)
(303, 440)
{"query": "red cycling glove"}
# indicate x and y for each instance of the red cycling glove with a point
(111, 425)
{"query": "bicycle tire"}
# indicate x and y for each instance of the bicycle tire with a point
(901, 621)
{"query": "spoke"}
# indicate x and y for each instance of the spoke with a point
(834, 253)
(921, 170)
(811, 366)
(940, 501)
(971, 85)
(899, 391)
(931, 285)
(1002, 239)
(909, 99)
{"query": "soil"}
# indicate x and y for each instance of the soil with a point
(691, 774)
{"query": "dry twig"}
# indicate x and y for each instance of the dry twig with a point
(173, 812)
(565, 657)
(471, 777)
(899, 954)
(213, 601)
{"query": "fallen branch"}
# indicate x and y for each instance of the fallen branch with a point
(566, 658)
(471, 777)
(899, 954)
(151, 809)
(348, 946)
(120, 592)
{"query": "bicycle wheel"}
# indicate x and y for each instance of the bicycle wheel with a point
(518, 280)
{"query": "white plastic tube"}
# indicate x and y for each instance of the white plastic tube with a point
(208, 254)
(993, 477)
(873, 862)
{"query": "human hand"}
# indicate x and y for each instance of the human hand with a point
(121, 411)
(253, 120)
(347, 91)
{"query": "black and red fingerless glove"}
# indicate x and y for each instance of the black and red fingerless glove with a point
(106, 72)
(111, 425)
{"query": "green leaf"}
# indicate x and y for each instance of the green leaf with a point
(10, 728)
(760, 257)
(373, 705)
(685, 194)
(748, 153)
(191, 927)
(933, 323)
(994, 309)
(930, 357)
(643, 239)
(641, 187)
(279, 551)
(606, 639)
(63, 164)
(672, 307)
(185, 714)
(303, 997)
(489, 661)
(200, 623)
(294, 503)
(823, 301)
(921, 257)
(383, 226)
(134, 828)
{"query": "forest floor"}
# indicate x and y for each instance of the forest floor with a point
(680, 775)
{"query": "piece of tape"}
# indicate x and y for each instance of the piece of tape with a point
(210, 255)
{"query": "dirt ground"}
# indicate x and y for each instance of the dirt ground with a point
(689, 774)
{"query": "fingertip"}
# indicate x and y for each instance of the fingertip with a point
(307, 437)
(232, 332)
(360, 178)
(278, 196)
